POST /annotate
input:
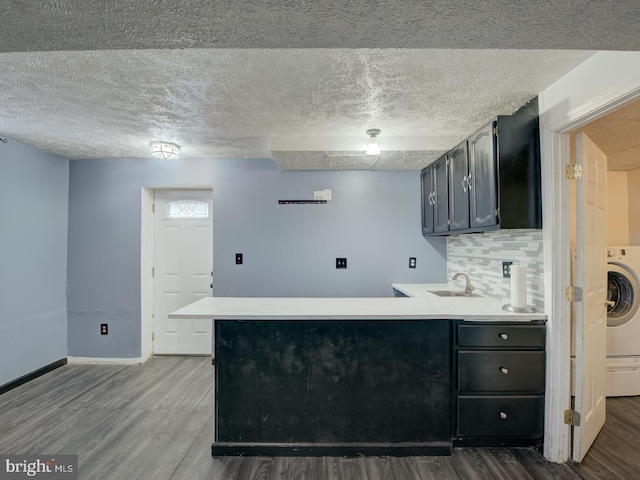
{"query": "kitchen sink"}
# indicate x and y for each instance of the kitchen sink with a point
(451, 293)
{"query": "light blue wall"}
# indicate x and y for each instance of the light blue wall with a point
(33, 259)
(289, 250)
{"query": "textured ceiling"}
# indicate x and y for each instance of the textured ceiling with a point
(296, 81)
(246, 103)
(48, 25)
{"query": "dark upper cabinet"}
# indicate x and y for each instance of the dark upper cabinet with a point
(441, 201)
(483, 200)
(459, 188)
(489, 181)
(518, 160)
(435, 206)
(426, 180)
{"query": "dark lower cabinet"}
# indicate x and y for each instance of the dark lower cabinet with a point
(376, 387)
(500, 417)
(333, 387)
(499, 371)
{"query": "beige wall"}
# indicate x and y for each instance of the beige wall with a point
(633, 180)
(617, 209)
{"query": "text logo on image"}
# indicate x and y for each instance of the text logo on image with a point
(50, 467)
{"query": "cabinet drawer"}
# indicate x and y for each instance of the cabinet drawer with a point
(513, 416)
(501, 371)
(501, 336)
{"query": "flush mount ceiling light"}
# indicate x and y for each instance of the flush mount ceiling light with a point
(373, 148)
(164, 150)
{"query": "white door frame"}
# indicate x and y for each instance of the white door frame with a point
(147, 196)
(555, 125)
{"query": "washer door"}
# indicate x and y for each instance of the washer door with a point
(622, 291)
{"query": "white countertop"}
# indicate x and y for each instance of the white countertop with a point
(419, 305)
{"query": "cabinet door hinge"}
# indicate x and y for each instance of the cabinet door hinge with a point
(573, 294)
(571, 417)
(573, 171)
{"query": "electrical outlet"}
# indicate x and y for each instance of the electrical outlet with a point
(506, 269)
(341, 263)
(412, 262)
(238, 259)
(104, 329)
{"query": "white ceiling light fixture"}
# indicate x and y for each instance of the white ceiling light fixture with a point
(165, 150)
(373, 148)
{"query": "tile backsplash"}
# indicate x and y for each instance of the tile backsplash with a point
(481, 255)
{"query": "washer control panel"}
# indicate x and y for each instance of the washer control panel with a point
(624, 253)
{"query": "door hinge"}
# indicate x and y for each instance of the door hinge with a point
(153, 336)
(573, 171)
(571, 417)
(153, 272)
(498, 212)
(573, 294)
(153, 208)
(495, 130)
(448, 222)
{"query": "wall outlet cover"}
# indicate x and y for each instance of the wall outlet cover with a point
(238, 259)
(341, 263)
(104, 329)
(412, 262)
(506, 269)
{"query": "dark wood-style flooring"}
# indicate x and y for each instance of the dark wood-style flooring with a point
(154, 421)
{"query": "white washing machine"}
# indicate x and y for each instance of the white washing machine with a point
(623, 321)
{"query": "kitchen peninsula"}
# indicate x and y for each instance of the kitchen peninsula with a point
(373, 376)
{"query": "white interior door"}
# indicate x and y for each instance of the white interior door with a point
(183, 264)
(591, 276)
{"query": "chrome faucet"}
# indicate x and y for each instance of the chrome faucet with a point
(468, 289)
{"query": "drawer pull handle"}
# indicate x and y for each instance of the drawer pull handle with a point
(504, 336)
(504, 370)
(503, 415)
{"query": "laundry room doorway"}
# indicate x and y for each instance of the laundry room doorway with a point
(617, 136)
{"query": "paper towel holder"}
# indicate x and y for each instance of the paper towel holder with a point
(528, 309)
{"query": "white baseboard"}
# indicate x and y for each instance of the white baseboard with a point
(106, 361)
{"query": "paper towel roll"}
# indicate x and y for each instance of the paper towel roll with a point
(518, 286)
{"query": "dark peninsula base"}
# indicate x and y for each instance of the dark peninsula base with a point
(333, 387)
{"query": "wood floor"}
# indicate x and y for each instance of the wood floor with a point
(615, 455)
(154, 421)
